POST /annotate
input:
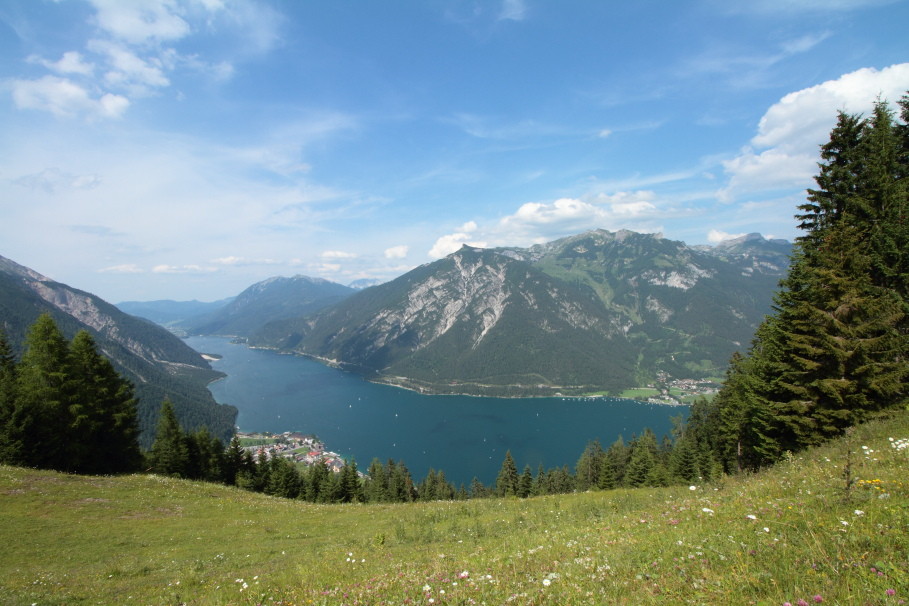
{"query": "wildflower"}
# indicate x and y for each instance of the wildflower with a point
(890, 592)
(766, 529)
(707, 510)
(818, 599)
(692, 488)
(751, 516)
(427, 587)
(547, 582)
(859, 512)
(844, 522)
(464, 575)
(802, 603)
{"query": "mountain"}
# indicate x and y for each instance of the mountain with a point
(159, 364)
(273, 299)
(596, 311)
(170, 313)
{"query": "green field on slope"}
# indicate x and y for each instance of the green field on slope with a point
(829, 524)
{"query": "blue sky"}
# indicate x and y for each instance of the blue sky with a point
(184, 149)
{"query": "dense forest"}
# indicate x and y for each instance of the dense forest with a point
(832, 354)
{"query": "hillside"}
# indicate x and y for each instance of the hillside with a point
(599, 311)
(159, 364)
(273, 299)
(789, 533)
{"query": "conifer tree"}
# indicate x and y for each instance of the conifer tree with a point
(10, 441)
(104, 429)
(507, 480)
(525, 483)
(587, 470)
(41, 416)
(168, 455)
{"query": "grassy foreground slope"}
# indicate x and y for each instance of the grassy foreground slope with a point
(791, 533)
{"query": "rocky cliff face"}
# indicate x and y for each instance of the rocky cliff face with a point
(595, 311)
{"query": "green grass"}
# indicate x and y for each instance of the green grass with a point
(152, 540)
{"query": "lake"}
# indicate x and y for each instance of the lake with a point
(462, 435)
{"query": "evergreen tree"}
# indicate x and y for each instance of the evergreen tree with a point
(642, 461)
(41, 417)
(507, 480)
(616, 458)
(588, 468)
(525, 483)
(168, 455)
(232, 462)
(104, 427)
(10, 440)
(376, 487)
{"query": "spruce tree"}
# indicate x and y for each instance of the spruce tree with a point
(168, 455)
(104, 425)
(41, 417)
(507, 480)
(587, 470)
(10, 444)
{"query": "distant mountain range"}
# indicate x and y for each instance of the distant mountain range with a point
(596, 311)
(158, 363)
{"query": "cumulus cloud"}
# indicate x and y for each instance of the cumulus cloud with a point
(784, 152)
(452, 243)
(397, 252)
(716, 236)
(70, 63)
(142, 22)
(129, 71)
(65, 98)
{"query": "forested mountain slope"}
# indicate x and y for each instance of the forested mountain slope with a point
(158, 363)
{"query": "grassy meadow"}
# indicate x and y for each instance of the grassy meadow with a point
(828, 525)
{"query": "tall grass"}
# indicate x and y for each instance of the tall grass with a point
(830, 524)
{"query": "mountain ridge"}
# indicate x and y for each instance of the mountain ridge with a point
(594, 311)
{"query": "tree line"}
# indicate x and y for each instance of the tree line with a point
(834, 350)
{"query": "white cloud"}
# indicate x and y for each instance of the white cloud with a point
(397, 252)
(128, 268)
(52, 180)
(141, 21)
(129, 71)
(513, 10)
(182, 269)
(452, 243)
(337, 254)
(784, 152)
(716, 236)
(70, 63)
(64, 98)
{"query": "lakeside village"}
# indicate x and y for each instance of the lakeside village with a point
(678, 392)
(293, 446)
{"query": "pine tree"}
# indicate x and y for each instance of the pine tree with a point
(41, 417)
(104, 429)
(587, 470)
(525, 483)
(168, 455)
(10, 441)
(507, 480)
(376, 487)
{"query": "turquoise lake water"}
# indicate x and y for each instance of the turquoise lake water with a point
(461, 435)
